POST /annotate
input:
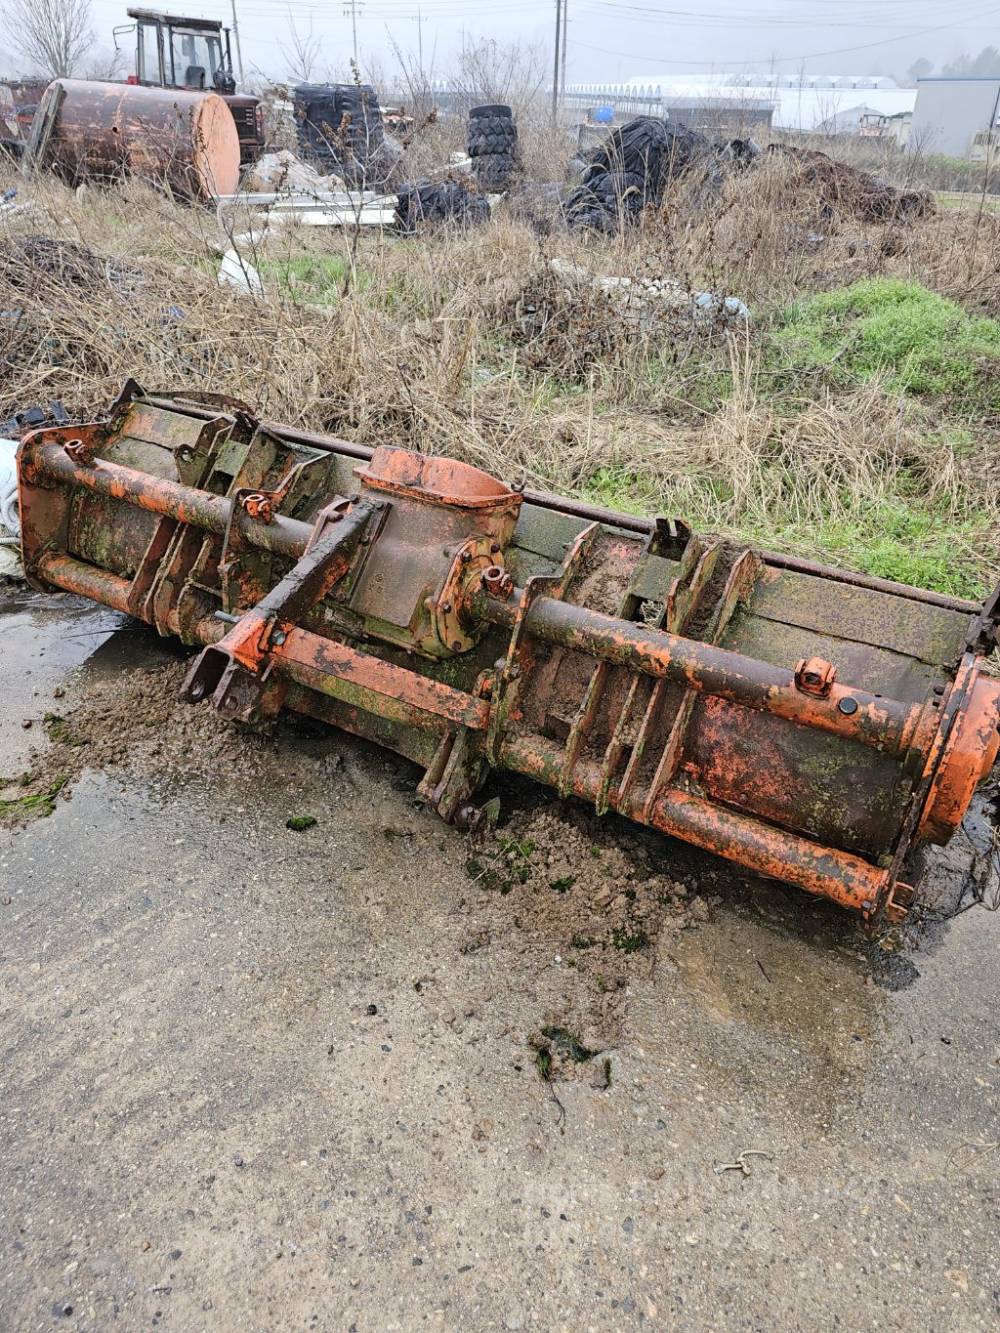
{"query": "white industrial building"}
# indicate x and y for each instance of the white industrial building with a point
(803, 103)
(958, 116)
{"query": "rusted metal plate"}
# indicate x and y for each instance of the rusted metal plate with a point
(929, 634)
(799, 724)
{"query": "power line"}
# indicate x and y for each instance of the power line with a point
(810, 55)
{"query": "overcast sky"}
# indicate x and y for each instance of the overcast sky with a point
(610, 40)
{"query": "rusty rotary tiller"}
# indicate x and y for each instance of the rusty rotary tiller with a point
(807, 724)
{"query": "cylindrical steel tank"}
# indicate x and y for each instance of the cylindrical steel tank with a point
(187, 140)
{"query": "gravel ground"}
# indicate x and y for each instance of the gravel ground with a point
(260, 1078)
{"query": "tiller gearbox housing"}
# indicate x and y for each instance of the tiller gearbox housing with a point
(810, 725)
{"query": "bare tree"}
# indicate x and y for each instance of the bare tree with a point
(103, 66)
(302, 53)
(53, 35)
(492, 71)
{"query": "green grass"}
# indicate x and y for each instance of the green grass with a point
(894, 540)
(895, 537)
(970, 201)
(918, 341)
(37, 806)
(311, 279)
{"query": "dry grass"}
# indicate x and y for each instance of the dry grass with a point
(471, 344)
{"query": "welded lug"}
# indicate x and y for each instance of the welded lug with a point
(258, 505)
(497, 582)
(898, 902)
(238, 694)
(815, 676)
(80, 451)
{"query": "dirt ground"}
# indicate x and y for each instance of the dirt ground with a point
(370, 1075)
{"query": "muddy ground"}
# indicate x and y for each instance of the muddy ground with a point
(370, 1075)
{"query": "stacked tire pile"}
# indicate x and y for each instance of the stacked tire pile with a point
(492, 145)
(631, 169)
(340, 125)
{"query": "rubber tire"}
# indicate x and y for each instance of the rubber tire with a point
(504, 112)
(493, 171)
(480, 145)
(428, 202)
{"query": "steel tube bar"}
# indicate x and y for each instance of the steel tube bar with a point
(63, 571)
(371, 682)
(883, 724)
(845, 878)
(323, 665)
(159, 495)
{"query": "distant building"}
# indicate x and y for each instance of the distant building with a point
(959, 117)
(789, 102)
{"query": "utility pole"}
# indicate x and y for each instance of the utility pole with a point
(565, 30)
(236, 34)
(352, 8)
(555, 72)
(420, 40)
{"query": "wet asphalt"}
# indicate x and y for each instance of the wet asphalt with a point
(250, 1078)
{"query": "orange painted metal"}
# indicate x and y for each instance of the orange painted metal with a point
(657, 676)
(969, 754)
(846, 879)
(883, 724)
(157, 495)
(343, 672)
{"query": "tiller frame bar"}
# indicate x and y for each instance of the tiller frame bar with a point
(424, 604)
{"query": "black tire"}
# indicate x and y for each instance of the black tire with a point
(421, 202)
(492, 125)
(477, 112)
(481, 145)
(656, 150)
(607, 201)
(493, 171)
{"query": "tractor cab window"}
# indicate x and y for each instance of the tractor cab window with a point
(148, 70)
(197, 57)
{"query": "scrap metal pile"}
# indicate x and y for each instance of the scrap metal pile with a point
(807, 724)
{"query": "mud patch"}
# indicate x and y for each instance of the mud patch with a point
(136, 717)
(563, 878)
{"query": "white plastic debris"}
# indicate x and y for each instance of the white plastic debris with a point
(10, 522)
(9, 519)
(235, 271)
(721, 307)
(282, 170)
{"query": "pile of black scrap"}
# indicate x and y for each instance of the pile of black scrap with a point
(339, 125)
(492, 146)
(426, 201)
(631, 169)
(31, 418)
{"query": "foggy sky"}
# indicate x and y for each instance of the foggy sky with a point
(609, 39)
